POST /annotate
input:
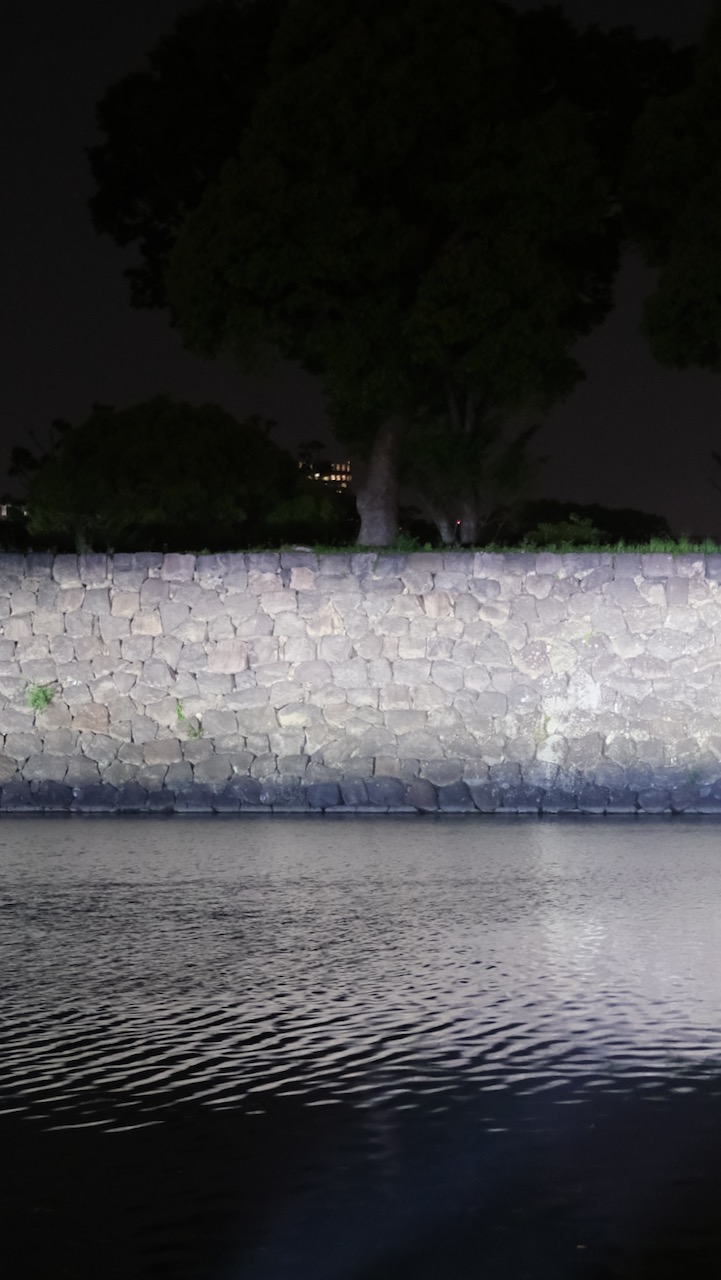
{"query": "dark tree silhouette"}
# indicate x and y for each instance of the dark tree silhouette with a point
(418, 203)
(168, 472)
(672, 195)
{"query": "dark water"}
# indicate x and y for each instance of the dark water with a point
(360, 1049)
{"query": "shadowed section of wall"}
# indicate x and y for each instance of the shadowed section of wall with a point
(457, 682)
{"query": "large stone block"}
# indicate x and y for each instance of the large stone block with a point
(449, 676)
(147, 623)
(323, 795)
(301, 650)
(111, 628)
(98, 797)
(8, 768)
(51, 795)
(136, 648)
(654, 800)
(153, 592)
(215, 771)
(220, 628)
(557, 800)
(285, 793)
(297, 715)
(90, 715)
(197, 798)
(290, 765)
(422, 795)
(218, 722)
(44, 767)
(18, 629)
(411, 672)
(455, 798)
(173, 614)
(61, 742)
(208, 606)
(228, 657)
(21, 745)
(442, 772)
(252, 720)
(352, 674)
(177, 568)
(197, 749)
(125, 604)
(162, 751)
(486, 797)
(132, 798)
(403, 722)
(81, 771)
(16, 796)
(245, 790)
(22, 602)
(66, 571)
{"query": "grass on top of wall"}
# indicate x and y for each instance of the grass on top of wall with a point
(407, 545)
(670, 546)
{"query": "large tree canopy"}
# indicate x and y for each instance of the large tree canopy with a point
(398, 222)
(169, 129)
(165, 471)
(672, 193)
(420, 209)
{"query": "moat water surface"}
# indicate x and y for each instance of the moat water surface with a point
(360, 1049)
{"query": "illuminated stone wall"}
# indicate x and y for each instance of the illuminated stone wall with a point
(462, 682)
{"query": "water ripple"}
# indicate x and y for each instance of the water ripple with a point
(223, 983)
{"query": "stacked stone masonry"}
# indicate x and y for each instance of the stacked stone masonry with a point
(460, 682)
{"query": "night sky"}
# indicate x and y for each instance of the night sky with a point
(632, 435)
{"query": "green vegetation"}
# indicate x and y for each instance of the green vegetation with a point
(682, 546)
(166, 473)
(193, 727)
(38, 696)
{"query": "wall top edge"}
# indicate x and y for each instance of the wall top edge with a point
(97, 568)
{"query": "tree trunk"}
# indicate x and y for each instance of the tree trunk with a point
(377, 502)
(468, 512)
(446, 528)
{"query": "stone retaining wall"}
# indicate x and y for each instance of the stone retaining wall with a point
(457, 682)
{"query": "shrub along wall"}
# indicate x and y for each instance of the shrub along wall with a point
(461, 682)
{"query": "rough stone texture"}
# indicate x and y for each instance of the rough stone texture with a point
(430, 682)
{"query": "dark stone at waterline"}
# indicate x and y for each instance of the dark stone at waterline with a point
(226, 801)
(323, 795)
(421, 794)
(486, 797)
(354, 793)
(524, 799)
(386, 792)
(455, 798)
(243, 794)
(162, 801)
(16, 796)
(684, 797)
(96, 797)
(132, 798)
(282, 794)
(621, 800)
(247, 790)
(558, 801)
(51, 795)
(197, 798)
(653, 801)
(593, 799)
